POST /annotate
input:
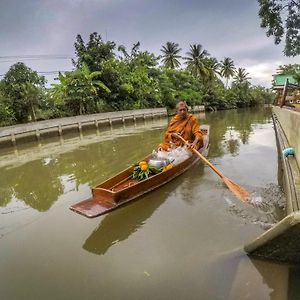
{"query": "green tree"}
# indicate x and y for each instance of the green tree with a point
(195, 61)
(297, 78)
(32, 95)
(142, 78)
(281, 18)
(241, 88)
(134, 51)
(179, 84)
(94, 52)
(79, 90)
(261, 95)
(241, 76)
(227, 69)
(23, 88)
(289, 69)
(6, 112)
(170, 57)
(213, 67)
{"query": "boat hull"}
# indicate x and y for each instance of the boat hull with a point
(121, 188)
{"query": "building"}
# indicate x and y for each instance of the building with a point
(287, 90)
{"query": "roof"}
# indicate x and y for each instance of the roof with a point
(279, 79)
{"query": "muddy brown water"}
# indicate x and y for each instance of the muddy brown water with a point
(182, 241)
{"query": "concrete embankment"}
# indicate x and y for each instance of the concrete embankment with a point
(10, 135)
(290, 122)
(282, 241)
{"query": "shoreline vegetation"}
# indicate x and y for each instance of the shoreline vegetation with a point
(107, 77)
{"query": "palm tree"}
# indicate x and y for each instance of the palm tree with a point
(170, 55)
(288, 69)
(241, 76)
(195, 61)
(213, 67)
(227, 69)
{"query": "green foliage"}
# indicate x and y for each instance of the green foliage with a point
(215, 97)
(241, 77)
(93, 53)
(213, 68)
(23, 89)
(195, 61)
(141, 172)
(79, 89)
(241, 92)
(227, 69)
(133, 82)
(290, 69)
(281, 18)
(261, 95)
(297, 78)
(6, 112)
(179, 84)
(170, 57)
(134, 51)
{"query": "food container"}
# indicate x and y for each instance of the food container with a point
(158, 162)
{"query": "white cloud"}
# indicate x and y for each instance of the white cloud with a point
(261, 74)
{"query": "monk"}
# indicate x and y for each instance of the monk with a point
(185, 125)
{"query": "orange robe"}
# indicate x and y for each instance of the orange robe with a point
(188, 128)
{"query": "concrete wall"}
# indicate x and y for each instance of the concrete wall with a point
(282, 241)
(12, 133)
(290, 123)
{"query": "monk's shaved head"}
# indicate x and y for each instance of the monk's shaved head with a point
(182, 109)
(180, 104)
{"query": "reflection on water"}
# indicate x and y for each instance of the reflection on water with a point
(272, 281)
(13, 157)
(124, 222)
(39, 175)
(282, 280)
(233, 128)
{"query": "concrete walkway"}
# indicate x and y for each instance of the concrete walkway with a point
(40, 127)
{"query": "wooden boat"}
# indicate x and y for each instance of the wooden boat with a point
(122, 188)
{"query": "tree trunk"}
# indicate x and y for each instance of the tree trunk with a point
(33, 115)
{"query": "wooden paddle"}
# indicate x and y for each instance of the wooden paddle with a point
(237, 190)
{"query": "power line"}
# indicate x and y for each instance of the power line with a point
(11, 60)
(47, 56)
(52, 72)
(45, 73)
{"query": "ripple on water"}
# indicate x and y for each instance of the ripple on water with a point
(267, 206)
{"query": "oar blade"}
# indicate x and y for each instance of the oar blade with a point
(238, 191)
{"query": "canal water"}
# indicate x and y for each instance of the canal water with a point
(182, 241)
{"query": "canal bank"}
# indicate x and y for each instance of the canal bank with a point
(10, 135)
(282, 242)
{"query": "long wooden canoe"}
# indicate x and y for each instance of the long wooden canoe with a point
(122, 188)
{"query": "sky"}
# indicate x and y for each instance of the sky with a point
(228, 28)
